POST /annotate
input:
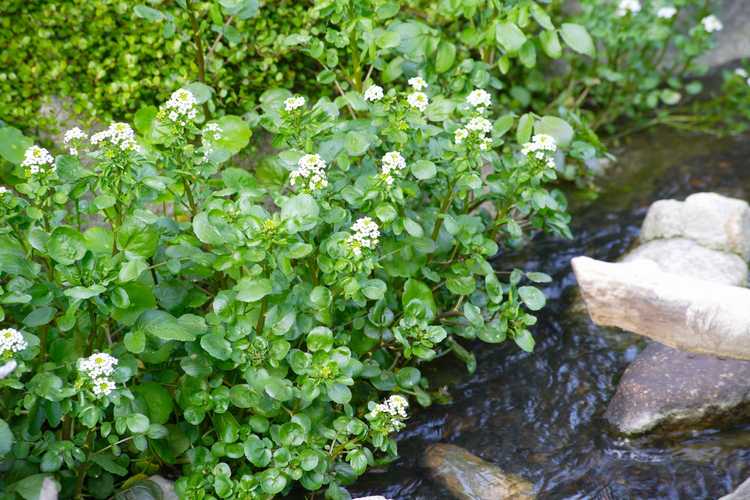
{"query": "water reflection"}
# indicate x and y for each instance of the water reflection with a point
(540, 415)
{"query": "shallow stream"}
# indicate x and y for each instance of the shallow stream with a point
(539, 415)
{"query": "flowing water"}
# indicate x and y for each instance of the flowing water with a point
(539, 415)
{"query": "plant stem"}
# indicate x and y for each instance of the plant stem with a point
(199, 59)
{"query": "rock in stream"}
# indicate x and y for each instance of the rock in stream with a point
(468, 477)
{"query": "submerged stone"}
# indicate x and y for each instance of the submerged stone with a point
(468, 477)
(741, 493)
(667, 388)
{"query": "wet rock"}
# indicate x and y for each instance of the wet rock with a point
(741, 493)
(667, 388)
(468, 477)
(712, 220)
(733, 42)
(688, 258)
(153, 488)
(377, 497)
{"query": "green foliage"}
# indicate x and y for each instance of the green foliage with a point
(254, 323)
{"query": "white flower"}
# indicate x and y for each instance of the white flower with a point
(310, 172)
(485, 144)
(4, 190)
(460, 134)
(667, 12)
(740, 72)
(540, 145)
(11, 340)
(36, 158)
(632, 6)
(118, 134)
(74, 136)
(418, 100)
(365, 235)
(181, 107)
(711, 23)
(102, 386)
(294, 102)
(392, 162)
(373, 93)
(418, 83)
(479, 98)
(480, 124)
(98, 365)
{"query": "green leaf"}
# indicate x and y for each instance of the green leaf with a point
(30, 488)
(525, 127)
(556, 127)
(40, 316)
(525, 340)
(423, 169)
(578, 39)
(374, 289)
(13, 144)
(509, 36)
(13, 259)
(6, 438)
(83, 293)
(532, 297)
(235, 134)
(137, 423)
(408, 377)
(216, 345)
(339, 393)
(461, 285)
(200, 91)
(158, 399)
(356, 143)
(252, 290)
(163, 325)
(300, 213)
(537, 277)
(135, 341)
(148, 13)
(66, 245)
(320, 339)
(418, 291)
(107, 462)
(446, 55)
(541, 17)
(551, 44)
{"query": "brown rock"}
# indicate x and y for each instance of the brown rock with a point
(666, 388)
(469, 477)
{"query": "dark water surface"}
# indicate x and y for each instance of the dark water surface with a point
(540, 415)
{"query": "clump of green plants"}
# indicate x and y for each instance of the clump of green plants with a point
(254, 334)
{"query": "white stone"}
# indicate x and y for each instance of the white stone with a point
(688, 258)
(674, 309)
(710, 219)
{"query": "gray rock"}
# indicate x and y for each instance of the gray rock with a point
(468, 477)
(667, 388)
(741, 493)
(733, 42)
(688, 258)
(712, 220)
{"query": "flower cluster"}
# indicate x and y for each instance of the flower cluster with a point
(98, 367)
(628, 6)
(418, 99)
(73, 139)
(667, 12)
(37, 160)
(479, 99)
(209, 135)
(373, 93)
(711, 23)
(392, 413)
(310, 172)
(541, 148)
(392, 162)
(11, 341)
(365, 235)
(181, 107)
(293, 103)
(417, 83)
(477, 128)
(118, 135)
